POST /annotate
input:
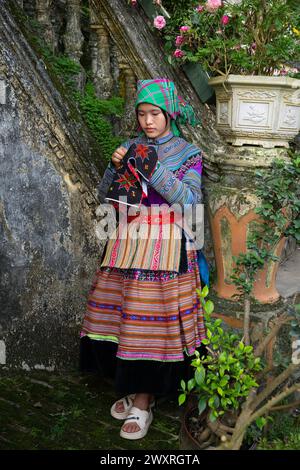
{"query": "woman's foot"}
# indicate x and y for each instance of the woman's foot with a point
(119, 406)
(141, 401)
(122, 407)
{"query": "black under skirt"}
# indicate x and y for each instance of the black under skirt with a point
(134, 376)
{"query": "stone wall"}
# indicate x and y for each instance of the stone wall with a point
(48, 248)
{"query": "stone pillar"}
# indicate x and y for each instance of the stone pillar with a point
(128, 91)
(43, 16)
(73, 38)
(29, 8)
(231, 203)
(100, 55)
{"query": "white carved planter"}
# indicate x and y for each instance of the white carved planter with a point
(257, 110)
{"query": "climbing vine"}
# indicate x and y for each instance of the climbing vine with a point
(94, 111)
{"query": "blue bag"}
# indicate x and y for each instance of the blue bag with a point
(203, 268)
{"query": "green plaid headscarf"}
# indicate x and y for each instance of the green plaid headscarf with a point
(162, 92)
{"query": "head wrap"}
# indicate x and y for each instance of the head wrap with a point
(163, 93)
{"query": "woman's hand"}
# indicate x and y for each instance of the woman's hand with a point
(118, 156)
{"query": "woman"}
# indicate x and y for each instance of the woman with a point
(143, 317)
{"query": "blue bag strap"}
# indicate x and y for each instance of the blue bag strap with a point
(203, 268)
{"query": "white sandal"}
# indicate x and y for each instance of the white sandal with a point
(142, 418)
(127, 404)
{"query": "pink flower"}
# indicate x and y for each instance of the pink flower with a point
(212, 5)
(225, 20)
(178, 53)
(200, 8)
(179, 40)
(133, 3)
(184, 29)
(159, 22)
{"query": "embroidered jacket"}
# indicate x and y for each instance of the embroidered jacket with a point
(178, 176)
(176, 180)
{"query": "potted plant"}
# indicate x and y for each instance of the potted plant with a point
(248, 48)
(231, 386)
(232, 389)
(222, 379)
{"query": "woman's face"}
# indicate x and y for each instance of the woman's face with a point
(153, 121)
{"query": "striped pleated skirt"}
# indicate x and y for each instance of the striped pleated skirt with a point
(141, 327)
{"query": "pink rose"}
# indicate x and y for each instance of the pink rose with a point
(200, 8)
(159, 22)
(283, 71)
(184, 29)
(212, 5)
(179, 40)
(224, 20)
(178, 53)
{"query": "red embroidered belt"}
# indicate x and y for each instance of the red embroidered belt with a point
(152, 219)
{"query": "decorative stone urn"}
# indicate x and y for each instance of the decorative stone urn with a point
(231, 203)
(257, 110)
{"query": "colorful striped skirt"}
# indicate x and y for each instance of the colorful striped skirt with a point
(147, 319)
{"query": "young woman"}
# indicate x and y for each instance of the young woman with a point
(143, 319)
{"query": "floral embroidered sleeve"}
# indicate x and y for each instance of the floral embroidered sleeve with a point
(182, 186)
(108, 177)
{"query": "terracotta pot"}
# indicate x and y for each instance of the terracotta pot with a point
(230, 235)
(186, 440)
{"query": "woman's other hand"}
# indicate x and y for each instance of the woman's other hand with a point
(118, 156)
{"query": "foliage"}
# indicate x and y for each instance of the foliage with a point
(279, 212)
(229, 378)
(243, 37)
(226, 374)
(64, 72)
(289, 442)
(284, 434)
(94, 111)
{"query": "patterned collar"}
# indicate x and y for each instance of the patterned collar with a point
(160, 140)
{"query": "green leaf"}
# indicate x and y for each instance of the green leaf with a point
(181, 398)
(204, 292)
(205, 341)
(201, 405)
(209, 307)
(222, 357)
(260, 422)
(191, 384)
(200, 375)
(183, 386)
